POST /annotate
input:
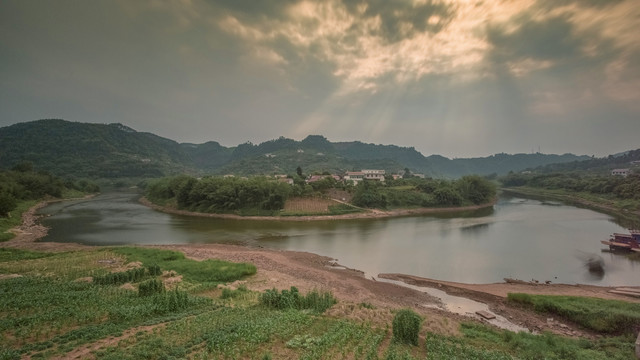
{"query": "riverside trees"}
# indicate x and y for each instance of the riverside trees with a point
(220, 195)
(265, 196)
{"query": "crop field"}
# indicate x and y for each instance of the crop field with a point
(308, 205)
(75, 304)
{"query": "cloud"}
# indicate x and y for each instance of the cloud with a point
(445, 76)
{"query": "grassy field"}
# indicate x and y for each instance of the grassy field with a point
(601, 315)
(49, 307)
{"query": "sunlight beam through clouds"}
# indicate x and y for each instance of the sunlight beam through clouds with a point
(445, 76)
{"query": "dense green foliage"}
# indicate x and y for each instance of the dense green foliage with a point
(220, 195)
(263, 196)
(606, 316)
(616, 186)
(21, 187)
(23, 183)
(207, 271)
(622, 193)
(406, 327)
(599, 166)
(111, 151)
(316, 301)
(89, 150)
(416, 192)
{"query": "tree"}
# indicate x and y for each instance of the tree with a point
(406, 327)
(299, 172)
(7, 203)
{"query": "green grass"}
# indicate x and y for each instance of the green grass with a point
(601, 315)
(253, 333)
(44, 312)
(15, 219)
(68, 265)
(341, 209)
(7, 254)
(207, 271)
(497, 344)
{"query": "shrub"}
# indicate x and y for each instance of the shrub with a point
(154, 270)
(291, 299)
(150, 287)
(132, 275)
(406, 326)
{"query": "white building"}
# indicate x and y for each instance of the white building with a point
(355, 176)
(620, 172)
(367, 174)
(374, 174)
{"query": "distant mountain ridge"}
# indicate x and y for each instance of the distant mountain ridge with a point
(115, 150)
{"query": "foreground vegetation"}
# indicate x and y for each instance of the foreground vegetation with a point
(50, 307)
(604, 316)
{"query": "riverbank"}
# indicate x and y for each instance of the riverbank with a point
(30, 231)
(370, 214)
(307, 271)
(603, 206)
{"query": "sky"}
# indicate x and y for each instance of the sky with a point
(451, 77)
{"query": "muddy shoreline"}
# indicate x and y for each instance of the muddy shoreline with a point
(372, 214)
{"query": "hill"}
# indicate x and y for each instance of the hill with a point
(117, 151)
(601, 166)
(90, 150)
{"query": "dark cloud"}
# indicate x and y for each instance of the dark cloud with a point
(550, 39)
(447, 79)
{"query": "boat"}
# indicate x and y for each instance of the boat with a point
(624, 242)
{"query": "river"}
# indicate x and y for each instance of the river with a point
(517, 238)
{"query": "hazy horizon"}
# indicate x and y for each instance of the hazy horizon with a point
(454, 78)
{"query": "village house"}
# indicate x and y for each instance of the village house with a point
(368, 174)
(355, 176)
(314, 178)
(374, 174)
(620, 172)
(286, 180)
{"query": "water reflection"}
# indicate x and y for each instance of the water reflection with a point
(517, 238)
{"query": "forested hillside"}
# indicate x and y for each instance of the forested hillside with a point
(89, 150)
(84, 150)
(595, 165)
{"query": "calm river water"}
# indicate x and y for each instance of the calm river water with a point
(518, 238)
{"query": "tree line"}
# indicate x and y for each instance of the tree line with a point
(218, 194)
(623, 188)
(262, 195)
(23, 183)
(418, 192)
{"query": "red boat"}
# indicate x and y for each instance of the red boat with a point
(626, 242)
